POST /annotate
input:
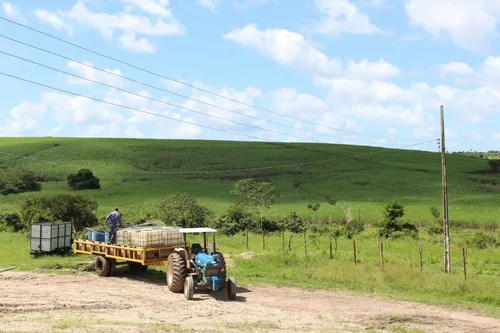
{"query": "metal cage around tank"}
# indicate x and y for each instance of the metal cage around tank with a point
(50, 237)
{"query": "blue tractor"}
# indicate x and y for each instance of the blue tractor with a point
(198, 266)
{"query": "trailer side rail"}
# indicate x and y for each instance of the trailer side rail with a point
(144, 256)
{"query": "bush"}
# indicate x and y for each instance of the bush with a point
(494, 166)
(12, 182)
(11, 221)
(184, 211)
(84, 179)
(352, 228)
(237, 218)
(482, 241)
(436, 227)
(390, 227)
(63, 207)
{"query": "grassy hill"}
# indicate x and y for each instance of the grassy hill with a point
(135, 174)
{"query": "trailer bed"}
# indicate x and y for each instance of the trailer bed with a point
(151, 256)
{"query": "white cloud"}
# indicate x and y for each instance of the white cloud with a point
(126, 23)
(292, 49)
(469, 23)
(92, 74)
(247, 4)
(485, 75)
(286, 48)
(458, 68)
(411, 37)
(342, 16)
(55, 19)
(154, 7)
(23, 117)
(209, 4)
(10, 10)
(128, 41)
(376, 70)
(290, 102)
(174, 86)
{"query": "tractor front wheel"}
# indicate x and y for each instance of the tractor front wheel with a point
(189, 288)
(176, 272)
(231, 288)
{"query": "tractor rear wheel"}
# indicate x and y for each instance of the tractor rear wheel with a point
(189, 288)
(176, 272)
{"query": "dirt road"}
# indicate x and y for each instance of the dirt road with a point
(84, 302)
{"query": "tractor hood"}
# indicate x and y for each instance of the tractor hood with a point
(204, 259)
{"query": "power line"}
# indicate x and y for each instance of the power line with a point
(154, 99)
(172, 92)
(128, 107)
(189, 85)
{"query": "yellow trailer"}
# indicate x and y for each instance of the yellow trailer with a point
(188, 265)
(108, 255)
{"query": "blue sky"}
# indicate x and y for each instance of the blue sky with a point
(341, 71)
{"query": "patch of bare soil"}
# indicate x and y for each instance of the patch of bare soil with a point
(84, 302)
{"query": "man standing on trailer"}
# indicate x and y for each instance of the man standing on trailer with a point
(113, 219)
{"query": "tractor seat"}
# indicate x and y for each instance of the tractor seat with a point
(196, 248)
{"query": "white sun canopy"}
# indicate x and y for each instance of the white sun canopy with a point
(195, 230)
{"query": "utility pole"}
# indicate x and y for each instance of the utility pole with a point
(447, 260)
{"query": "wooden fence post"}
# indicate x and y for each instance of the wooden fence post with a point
(382, 254)
(420, 250)
(305, 243)
(465, 263)
(354, 246)
(331, 248)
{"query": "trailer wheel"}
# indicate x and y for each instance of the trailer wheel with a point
(231, 288)
(176, 272)
(189, 288)
(102, 266)
(112, 266)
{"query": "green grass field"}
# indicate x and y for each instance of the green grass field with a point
(135, 174)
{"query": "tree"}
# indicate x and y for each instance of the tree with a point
(295, 224)
(184, 211)
(62, 207)
(260, 194)
(83, 179)
(314, 207)
(390, 225)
